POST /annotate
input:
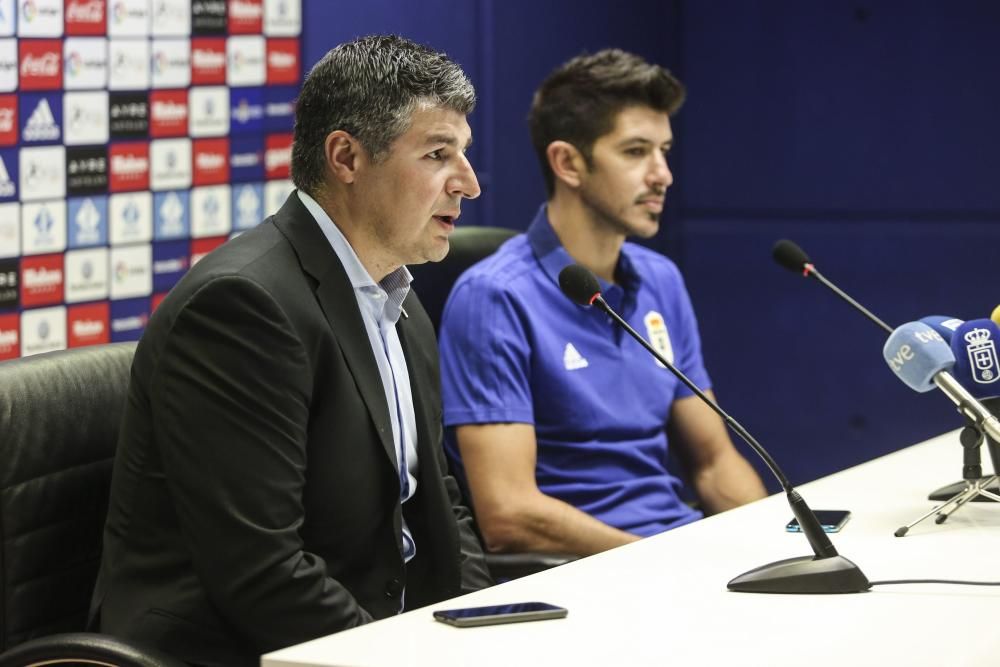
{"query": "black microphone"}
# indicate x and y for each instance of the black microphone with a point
(789, 255)
(826, 571)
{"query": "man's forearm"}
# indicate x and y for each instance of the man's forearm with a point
(544, 524)
(729, 482)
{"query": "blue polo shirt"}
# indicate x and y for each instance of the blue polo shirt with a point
(515, 349)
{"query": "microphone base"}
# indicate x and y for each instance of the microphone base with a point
(804, 575)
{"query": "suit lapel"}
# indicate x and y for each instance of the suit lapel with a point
(336, 297)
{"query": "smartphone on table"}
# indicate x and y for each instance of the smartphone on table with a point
(831, 521)
(503, 613)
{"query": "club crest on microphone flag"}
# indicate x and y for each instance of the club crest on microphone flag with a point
(659, 338)
(982, 352)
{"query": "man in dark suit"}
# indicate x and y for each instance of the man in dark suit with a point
(279, 473)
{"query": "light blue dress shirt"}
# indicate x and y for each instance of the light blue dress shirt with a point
(381, 304)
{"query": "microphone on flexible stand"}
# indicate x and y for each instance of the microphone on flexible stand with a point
(789, 255)
(824, 572)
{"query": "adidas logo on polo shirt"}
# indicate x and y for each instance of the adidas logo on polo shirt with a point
(572, 359)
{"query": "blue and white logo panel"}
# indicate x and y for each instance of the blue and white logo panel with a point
(246, 110)
(41, 116)
(246, 159)
(131, 217)
(8, 174)
(128, 319)
(171, 260)
(248, 205)
(210, 213)
(88, 221)
(171, 215)
(43, 227)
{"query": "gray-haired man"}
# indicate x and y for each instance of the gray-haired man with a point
(279, 474)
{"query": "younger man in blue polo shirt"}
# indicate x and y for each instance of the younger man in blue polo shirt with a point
(560, 418)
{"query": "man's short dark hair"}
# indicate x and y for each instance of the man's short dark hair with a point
(579, 101)
(370, 88)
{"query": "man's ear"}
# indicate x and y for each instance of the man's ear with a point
(567, 162)
(343, 155)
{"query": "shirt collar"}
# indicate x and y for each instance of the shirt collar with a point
(396, 285)
(551, 254)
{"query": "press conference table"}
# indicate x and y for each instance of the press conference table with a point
(663, 600)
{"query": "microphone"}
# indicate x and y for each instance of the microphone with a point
(789, 255)
(945, 326)
(920, 358)
(826, 571)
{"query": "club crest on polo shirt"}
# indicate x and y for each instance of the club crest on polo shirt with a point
(572, 359)
(656, 333)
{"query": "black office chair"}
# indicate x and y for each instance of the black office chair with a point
(433, 282)
(59, 416)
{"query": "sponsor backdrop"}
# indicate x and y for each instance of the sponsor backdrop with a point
(135, 137)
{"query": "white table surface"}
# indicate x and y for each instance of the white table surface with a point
(663, 600)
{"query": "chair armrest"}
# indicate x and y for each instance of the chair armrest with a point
(90, 647)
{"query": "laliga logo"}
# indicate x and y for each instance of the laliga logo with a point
(121, 12)
(159, 62)
(28, 10)
(982, 356)
(74, 63)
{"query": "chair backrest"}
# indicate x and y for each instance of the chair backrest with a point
(59, 418)
(433, 281)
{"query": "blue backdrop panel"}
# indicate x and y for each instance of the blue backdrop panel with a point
(828, 105)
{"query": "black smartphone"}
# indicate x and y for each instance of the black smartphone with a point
(503, 613)
(831, 520)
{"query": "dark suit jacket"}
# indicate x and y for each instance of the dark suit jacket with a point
(255, 499)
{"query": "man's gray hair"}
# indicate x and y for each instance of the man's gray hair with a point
(370, 88)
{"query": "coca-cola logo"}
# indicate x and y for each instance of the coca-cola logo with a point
(85, 12)
(46, 65)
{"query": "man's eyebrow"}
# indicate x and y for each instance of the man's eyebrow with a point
(447, 139)
(643, 141)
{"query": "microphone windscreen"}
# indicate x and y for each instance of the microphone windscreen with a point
(944, 325)
(790, 255)
(996, 315)
(579, 284)
(916, 353)
(976, 365)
